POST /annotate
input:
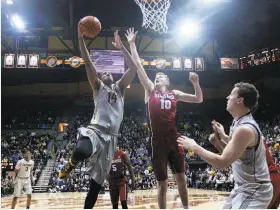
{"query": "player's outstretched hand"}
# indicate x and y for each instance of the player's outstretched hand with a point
(211, 138)
(193, 77)
(118, 42)
(186, 142)
(219, 128)
(131, 35)
(214, 137)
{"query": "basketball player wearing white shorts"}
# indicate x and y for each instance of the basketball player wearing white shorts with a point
(23, 178)
(98, 140)
(243, 149)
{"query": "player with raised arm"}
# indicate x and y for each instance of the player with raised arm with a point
(243, 149)
(162, 111)
(117, 179)
(98, 141)
(23, 178)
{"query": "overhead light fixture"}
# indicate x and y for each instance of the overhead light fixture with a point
(9, 2)
(18, 22)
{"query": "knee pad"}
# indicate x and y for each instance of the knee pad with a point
(83, 150)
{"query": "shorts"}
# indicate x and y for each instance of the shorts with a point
(103, 150)
(275, 180)
(250, 196)
(118, 189)
(21, 184)
(165, 150)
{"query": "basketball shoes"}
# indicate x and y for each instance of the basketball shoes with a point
(65, 171)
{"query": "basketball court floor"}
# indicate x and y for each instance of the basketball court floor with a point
(145, 199)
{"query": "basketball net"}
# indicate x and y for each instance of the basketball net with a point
(154, 14)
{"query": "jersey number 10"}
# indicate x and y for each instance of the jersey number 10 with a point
(165, 104)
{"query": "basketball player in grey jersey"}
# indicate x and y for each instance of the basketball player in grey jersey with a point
(243, 149)
(98, 141)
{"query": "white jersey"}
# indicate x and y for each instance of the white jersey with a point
(25, 168)
(251, 167)
(109, 108)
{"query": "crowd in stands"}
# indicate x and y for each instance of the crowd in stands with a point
(191, 122)
(12, 145)
(211, 178)
(27, 119)
(134, 140)
(76, 182)
(31, 112)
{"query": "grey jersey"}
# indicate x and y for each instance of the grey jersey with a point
(109, 108)
(251, 167)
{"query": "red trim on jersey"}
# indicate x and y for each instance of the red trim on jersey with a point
(271, 165)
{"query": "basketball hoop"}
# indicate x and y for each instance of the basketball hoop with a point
(154, 14)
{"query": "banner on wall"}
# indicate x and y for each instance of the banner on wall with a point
(229, 63)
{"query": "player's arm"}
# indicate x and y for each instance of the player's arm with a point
(129, 75)
(216, 141)
(92, 76)
(143, 77)
(17, 169)
(15, 174)
(129, 167)
(218, 127)
(241, 139)
(197, 97)
(225, 139)
(31, 174)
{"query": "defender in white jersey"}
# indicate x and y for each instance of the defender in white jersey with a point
(98, 140)
(23, 178)
(243, 149)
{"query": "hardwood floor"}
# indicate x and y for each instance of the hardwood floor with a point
(146, 199)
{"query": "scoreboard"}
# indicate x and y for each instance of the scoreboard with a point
(259, 58)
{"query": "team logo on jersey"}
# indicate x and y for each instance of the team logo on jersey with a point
(165, 95)
(117, 160)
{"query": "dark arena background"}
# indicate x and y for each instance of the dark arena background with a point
(46, 95)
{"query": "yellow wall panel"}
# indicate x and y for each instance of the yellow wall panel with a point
(98, 43)
(155, 46)
(171, 47)
(55, 44)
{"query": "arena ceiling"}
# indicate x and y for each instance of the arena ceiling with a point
(229, 28)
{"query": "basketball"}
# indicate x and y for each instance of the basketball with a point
(90, 26)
